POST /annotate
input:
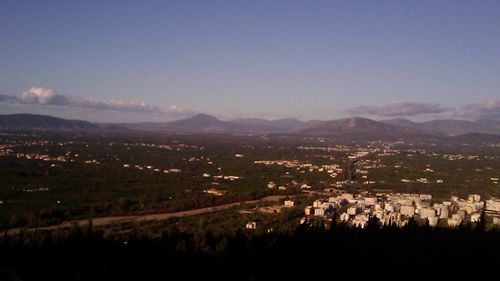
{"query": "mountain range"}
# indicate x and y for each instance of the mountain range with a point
(348, 126)
(33, 121)
(450, 127)
(354, 127)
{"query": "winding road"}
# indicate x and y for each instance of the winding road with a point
(101, 221)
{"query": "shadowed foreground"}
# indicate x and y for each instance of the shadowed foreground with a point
(83, 254)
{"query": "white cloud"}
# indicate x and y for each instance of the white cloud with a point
(489, 109)
(37, 95)
(45, 96)
(40, 100)
(176, 108)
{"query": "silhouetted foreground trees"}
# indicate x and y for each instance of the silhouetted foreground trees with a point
(309, 252)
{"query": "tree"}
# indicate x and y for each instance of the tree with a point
(89, 228)
(481, 226)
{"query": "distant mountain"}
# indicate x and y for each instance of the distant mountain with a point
(33, 121)
(477, 138)
(358, 127)
(263, 125)
(355, 127)
(112, 127)
(210, 124)
(489, 123)
(306, 125)
(401, 122)
(454, 127)
(200, 123)
(450, 127)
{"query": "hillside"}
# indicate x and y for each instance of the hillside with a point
(450, 127)
(358, 127)
(199, 123)
(32, 121)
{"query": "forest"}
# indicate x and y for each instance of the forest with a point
(305, 252)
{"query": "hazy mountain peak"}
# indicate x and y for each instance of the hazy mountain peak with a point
(401, 122)
(203, 116)
(356, 121)
(352, 126)
(29, 121)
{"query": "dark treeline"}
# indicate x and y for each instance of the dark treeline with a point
(307, 252)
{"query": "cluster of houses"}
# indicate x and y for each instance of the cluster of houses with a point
(422, 180)
(6, 149)
(35, 156)
(38, 189)
(270, 210)
(221, 177)
(336, 148)
(173, 146)
(216, 192)
(303, 186)
(152, 168)
(333, 170)
(398, 209)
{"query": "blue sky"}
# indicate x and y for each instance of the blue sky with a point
(162, 60)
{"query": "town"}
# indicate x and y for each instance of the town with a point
(393, 181)
(399, 209)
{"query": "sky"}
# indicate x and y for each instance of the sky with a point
(134, 61)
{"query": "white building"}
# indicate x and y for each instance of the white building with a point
(455, 220)
(433, 221)
(493, 205)
(443, 212)
(496, 220)
(319, 212)
(476, 217)
(371, 200)
(474, 197)
(344, 217)
(271, 185)
(389, 208)
(408, 211)
(360, 221)
(352, 211)
(289, 203)
(309, 210)
(317, 203)
(427, 213)
(425, 196)
(305, 186)
(334, 200)
(251, 225)
(347, 196)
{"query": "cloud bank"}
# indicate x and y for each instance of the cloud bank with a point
(37, 95)
(40, 100)
(44, 96)
(398, 109)
(485, 110)
(46, 101)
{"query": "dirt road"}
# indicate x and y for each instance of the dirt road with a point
(150, 217)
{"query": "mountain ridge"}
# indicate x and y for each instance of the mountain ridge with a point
(204, 123)
(35, 121)
(450, 127)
